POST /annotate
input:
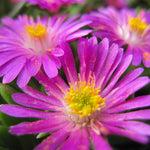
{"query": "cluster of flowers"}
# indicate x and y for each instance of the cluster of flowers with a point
(93, 102)
(51, 5)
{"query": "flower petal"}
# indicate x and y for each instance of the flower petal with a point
(53, 141)
(99, 142)
(138, 102)
(101, 56)
(49, 67)
(38, 95)
(68, 64)
(57, 52)
(23, 77)
(120, 94)
(78, 34)
(8, 55)
(31, 102)
(119, 71)
(128, 133)
(137, 56)
(39, 126)
(18, 111)
(14, 69)
(78, 139)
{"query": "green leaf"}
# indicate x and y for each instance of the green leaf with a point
(7, 140)
(3, 148)
(6, 91)
(41, 135)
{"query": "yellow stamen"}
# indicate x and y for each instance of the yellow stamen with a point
(84, 99)
(36, 30)
(136, 25)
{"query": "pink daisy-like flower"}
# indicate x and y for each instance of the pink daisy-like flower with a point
(124, 27)
(15, 1)
(91, 106)
(52, 5)
(117, 3)
(26, 45)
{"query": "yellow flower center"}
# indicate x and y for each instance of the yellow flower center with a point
(136, 25)
(37, 30)
(84, 99)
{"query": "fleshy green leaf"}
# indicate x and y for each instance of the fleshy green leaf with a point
(8, 141)
(6, 91)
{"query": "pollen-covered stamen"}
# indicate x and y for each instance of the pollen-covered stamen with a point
(36, 30)
(84, 99)
(137, 26)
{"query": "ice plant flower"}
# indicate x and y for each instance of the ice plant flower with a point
(92, 105)
(125, 27)
(15, 1)
(26, 45)
(52, 5)
(117, 3)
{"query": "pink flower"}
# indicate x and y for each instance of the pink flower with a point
(52, 5)
(27, 45)
(92, 104)
(125, 27)
(117, 3)
(15, 1)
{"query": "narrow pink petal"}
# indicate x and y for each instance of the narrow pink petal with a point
(39, 126)
(7, 67)
(119, 71)
(139, 114)
(49, 67)
(128, 133)
(78, 34)
(15, 69)
(90, 56)
(78, 139)
(30, 68)
(8, 55)
(34, 65)
(129, 77)
(23, 77)
(53, 141)
(51, 85)
(138, 102)
(99, 142)
(81, 51)
(118, 95)
(135, 126)
(19, 111)
(38, 95)
(68, 64)
(113, 68)
(57, 62)
(57, 52)
(31, 102)
(87, 50)
(101, 56)
(77, 27)
(69, 21)
(129, 50)
(58, 21)
(137, 56)
(113, 51)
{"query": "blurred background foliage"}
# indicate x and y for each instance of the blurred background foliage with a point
(28, 142)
